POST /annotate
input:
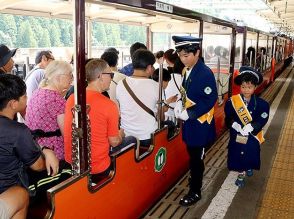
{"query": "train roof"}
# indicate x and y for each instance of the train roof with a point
(138, 12)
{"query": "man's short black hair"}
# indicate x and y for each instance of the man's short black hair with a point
(110, 57)
(135, 47)
(188, 48)
(142, 58)
(159, 54)
(39, 55)
(112, 49)
(165, 75)
(12, 87)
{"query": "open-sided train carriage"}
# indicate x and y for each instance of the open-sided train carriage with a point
(140, 177)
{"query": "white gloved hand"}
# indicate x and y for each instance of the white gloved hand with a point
(178, 109)
(247, 129)
(184, 115)
(237, 126)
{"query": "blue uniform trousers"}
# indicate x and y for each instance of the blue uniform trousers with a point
(196, 168)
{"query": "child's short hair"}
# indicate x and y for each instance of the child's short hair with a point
(12, 87)
(246, 77)
(165, 75)
(142, 58)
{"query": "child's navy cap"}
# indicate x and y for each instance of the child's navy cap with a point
(186, 40)
(248, 70)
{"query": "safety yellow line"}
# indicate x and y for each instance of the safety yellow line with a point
(278, 201)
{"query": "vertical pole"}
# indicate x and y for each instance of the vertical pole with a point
(80, 82)
(160, 96)
(244, 46)
(232, 59)
(256, 51)
(201, 35)
(89, 39)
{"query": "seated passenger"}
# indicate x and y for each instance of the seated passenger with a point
(18, 150)
(166, 77)
(175, 67)
(6, 61)
(159, 59)
(104, 119)
(71, 90)
(169, 120)
(45, 110)
(221, 54)
(37, 74)
(112, 49)
(135, 120)
(128, 69)
(112, 60)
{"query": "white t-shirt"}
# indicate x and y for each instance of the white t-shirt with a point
(134, 120)
(35, 76)
(172, 90)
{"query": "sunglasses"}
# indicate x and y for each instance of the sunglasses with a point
(110, 73)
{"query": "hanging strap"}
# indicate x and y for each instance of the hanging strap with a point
(31, 72)
(38, 133)
(142, 105)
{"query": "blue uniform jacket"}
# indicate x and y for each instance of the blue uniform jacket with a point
(243, 157)
(201, 88)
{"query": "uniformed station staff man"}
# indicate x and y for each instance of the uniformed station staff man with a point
(199, 95)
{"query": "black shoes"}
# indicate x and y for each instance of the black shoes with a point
(190, 199)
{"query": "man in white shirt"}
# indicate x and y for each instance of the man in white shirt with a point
(36, 75)
(134, 119)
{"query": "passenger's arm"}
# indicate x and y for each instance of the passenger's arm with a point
(39, 164)
(116, 140)
(60, 122)
(50, 163)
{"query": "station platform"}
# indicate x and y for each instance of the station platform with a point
(268, 193)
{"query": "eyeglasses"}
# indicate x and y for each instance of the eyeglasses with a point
(109, 73)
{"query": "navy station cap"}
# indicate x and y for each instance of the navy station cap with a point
(248, 70)
(5, 54)
(186, 40)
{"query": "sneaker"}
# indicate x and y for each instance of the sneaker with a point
(249, 172)
(190, 199)
(240, 181)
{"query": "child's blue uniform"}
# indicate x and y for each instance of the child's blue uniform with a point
(242, 157)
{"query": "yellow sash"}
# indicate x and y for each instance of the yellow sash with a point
(244, 114)
(207, 116)
(187, 103)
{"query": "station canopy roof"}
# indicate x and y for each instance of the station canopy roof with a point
(274, 16)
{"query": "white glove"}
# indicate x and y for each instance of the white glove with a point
(247, 129)
(184, 115)
(178, 109)
(237, 127)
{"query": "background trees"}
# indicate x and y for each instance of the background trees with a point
(33, 32)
